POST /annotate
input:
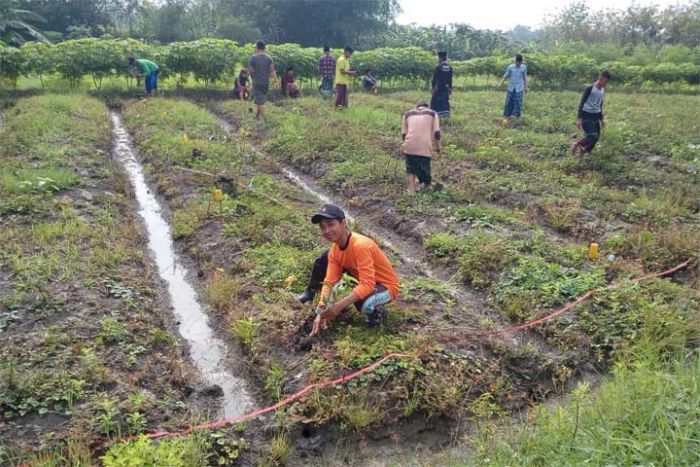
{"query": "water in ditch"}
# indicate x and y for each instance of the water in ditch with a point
(207, 351)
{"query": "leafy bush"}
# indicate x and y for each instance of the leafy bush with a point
(215, 60)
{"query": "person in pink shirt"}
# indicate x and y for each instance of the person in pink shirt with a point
(420, 130)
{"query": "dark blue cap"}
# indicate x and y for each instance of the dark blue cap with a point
(328, 211)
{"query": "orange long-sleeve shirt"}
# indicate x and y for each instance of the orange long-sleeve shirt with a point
(366, 262)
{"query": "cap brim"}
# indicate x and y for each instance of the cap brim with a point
(319, 216)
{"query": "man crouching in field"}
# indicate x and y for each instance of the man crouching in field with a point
(590, 116)
(358, 256)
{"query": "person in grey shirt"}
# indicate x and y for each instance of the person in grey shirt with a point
(261, 69)
(590, 116)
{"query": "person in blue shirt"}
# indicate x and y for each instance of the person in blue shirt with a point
(516, 73)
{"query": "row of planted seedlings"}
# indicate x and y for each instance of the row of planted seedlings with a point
(487, 242)
(86, 351)
(637, 195)
(255, 249)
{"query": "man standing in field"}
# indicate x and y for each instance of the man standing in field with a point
(358, 256)
(517, 86)
(590, 115)
(442, 86)
(326, 70)
(149, 71)
(261, 68)
(420, 128)
(342, 78)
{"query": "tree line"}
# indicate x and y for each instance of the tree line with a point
(633, 34)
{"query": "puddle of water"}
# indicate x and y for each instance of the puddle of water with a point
(206, 350)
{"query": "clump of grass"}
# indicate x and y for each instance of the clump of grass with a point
(245, 331)
(545, 283)
(442, 245)
(359, 415)
(279, 451)
(222, 290)
(483, 256)
(191, 451)
(274, 383)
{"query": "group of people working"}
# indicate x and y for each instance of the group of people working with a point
(352, 253)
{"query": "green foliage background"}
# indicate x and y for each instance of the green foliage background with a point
(216, 60)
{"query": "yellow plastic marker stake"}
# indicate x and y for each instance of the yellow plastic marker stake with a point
(185, 139)
(593, 251)
(219, 197)
(290, 280)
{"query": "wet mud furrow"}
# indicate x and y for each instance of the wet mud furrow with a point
(207, 351)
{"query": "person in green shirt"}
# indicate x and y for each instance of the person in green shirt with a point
(342, 78)
(147, 69)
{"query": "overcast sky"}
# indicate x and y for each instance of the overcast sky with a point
(499, 14)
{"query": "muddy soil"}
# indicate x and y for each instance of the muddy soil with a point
(61, 322)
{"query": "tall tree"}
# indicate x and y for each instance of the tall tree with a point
(318, 22)
(18, 25)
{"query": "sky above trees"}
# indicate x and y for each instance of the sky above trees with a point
(503, 15)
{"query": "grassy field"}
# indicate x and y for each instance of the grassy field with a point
(85, 347)
(89, 349)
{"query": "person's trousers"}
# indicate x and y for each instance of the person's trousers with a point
(514, 103)
(591, 131)
(341, 95)
(151, 81)
(380, 296)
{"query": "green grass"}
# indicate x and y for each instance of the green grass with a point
(77, 312)
(645, 414)
(512, 225)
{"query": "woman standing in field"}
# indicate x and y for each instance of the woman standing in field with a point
(590, 115)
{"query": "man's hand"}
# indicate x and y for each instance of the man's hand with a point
(602, 124)
(579, 123)
(527, 90)
(319, 322)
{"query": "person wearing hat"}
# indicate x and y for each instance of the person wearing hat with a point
(420, 128)
(442, 86)
(360, 257)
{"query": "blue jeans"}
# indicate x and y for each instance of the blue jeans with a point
(152, 81)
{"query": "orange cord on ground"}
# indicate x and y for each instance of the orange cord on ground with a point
(343, 379)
